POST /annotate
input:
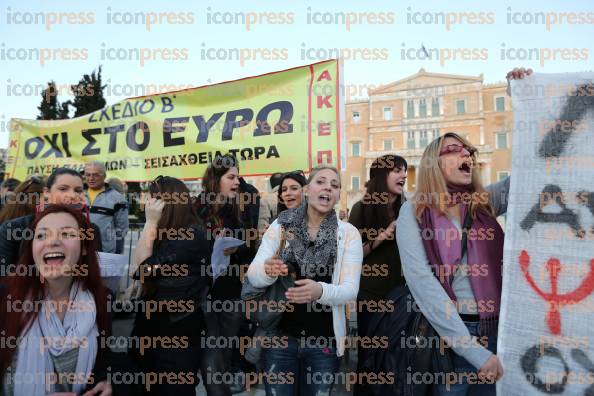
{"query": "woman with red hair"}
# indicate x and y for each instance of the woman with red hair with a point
(54, 310)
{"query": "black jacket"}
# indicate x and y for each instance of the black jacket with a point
(228, 284)
(176, 272)
(398, 358)
(12, 235)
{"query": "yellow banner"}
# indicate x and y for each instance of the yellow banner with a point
(275, 122)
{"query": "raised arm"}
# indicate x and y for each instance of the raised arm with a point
(499, 194)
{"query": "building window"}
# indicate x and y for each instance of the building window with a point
(422, 108)
(424, 140)
(500, 103)
(355, 183)
(435, 107)
(410, 140)
(355, 117)
(460, 106)
(501, 141)
(435, 133)
(356, 149)
(387, 144)
(387, 113)
(410, 109)
(502, 175)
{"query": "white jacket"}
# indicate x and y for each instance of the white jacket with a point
(345, 278)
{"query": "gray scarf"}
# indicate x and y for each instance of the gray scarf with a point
(316, 260)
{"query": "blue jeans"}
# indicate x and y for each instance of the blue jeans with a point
(299, 369)
(462, 385)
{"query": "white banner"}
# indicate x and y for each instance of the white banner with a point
(546, 329)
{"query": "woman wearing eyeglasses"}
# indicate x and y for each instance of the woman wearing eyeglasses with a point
(457, 286)
(170, 261)
(63, 186)
(55, 345)
(375, 217)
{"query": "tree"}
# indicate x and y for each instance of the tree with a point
(64, 110)
(88, 94)
(49, 107)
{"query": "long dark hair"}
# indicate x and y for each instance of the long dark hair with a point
(178, 212)
(59, 172)
(27, 285)
(214, 204)
(376, 206)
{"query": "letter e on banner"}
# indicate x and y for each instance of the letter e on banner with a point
(323, 128)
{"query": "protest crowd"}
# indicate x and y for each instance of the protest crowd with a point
(236, 293)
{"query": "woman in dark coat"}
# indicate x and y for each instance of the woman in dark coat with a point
(171, 260)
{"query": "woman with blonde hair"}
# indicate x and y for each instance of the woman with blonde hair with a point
(456, 285)
(324, 254)
(451, 249)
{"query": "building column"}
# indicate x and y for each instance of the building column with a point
(486, 176)
(482, 135)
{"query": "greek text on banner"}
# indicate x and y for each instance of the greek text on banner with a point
(275, 122)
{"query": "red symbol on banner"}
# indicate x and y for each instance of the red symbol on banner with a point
(324, 153)
(13, 143)
(554, 299)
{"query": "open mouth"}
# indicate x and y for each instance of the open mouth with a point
(401, 183)
(465, 168)
(325, 198)
(54, 258)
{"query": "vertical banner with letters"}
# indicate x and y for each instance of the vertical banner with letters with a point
(276, 122)
(546, 328)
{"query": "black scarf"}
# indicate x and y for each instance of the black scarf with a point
(316, 260)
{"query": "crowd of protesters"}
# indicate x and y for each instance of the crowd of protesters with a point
(297, 258)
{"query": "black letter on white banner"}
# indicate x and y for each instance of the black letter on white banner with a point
(575, 109)
(552, 194)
